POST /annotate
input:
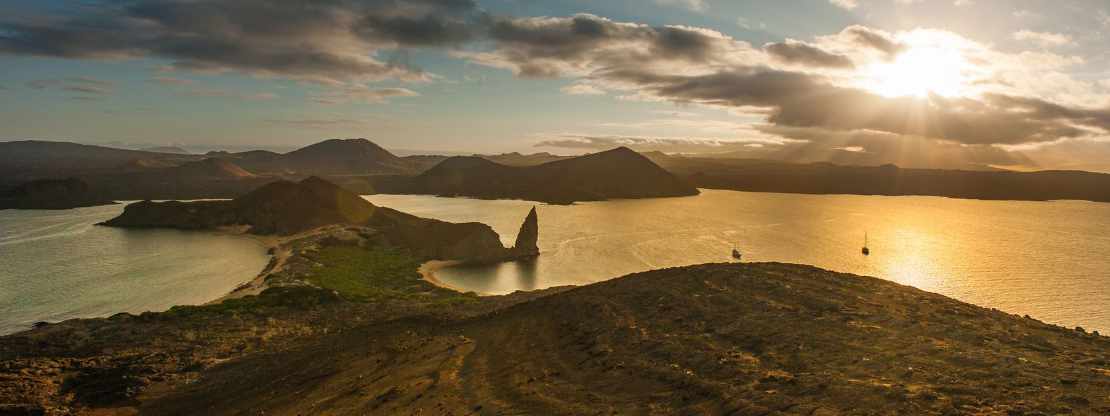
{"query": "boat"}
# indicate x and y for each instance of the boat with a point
(736, 254)
(866, 251)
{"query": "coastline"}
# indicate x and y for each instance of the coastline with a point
(428, 270)
(279, 254)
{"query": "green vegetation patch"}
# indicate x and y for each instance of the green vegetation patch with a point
(268, 302)
(374, 274)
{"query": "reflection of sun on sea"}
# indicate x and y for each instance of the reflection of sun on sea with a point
(925, 67)
(910, 258)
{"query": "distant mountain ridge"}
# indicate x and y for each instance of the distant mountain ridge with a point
(753, 175)
(25, 160)
(52, 194)
(617, 173)
(361, 165)
(329, 157)
(166, 149)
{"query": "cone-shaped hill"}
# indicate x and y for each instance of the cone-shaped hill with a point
(329, 157)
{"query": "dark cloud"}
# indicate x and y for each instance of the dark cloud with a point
(801, 53)
(550, 47)
(1038, 108)
(325, 40)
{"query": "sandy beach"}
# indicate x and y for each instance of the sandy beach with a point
(279, 253)
(428, 272)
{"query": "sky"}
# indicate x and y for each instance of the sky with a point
(1017, 84)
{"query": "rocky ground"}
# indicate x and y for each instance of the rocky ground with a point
(717, 339)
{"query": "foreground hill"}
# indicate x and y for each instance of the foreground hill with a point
(825, 178)
(617, 173)
(718, 339)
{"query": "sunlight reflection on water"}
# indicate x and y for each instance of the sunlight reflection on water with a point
(1046, 259)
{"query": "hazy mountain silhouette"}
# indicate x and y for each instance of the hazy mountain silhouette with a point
(826, 178)
(166, 149)
(329, 157)
(25, 160)
(617, 173)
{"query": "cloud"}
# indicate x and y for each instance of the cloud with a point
(326, 41)
(549, 47)
(872, 38)
(586, 142)
(581, 89)
(845, 4)
(695, 66)
(692, 5)
(1044, 39)
(219, 93)
(361, 94)
(800, 53)
(82, 85)
(170, 81)
(317, 123)
(1019, 98)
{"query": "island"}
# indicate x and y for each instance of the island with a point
(287, 208)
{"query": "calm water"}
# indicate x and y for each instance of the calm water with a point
(56, 265)
(1050, 260)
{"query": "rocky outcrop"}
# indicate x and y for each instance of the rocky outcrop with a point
(281, 208)
(52, 194)
(526, 239)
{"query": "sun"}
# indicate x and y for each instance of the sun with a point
(918, 72)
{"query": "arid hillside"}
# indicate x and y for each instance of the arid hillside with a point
(717, 339)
